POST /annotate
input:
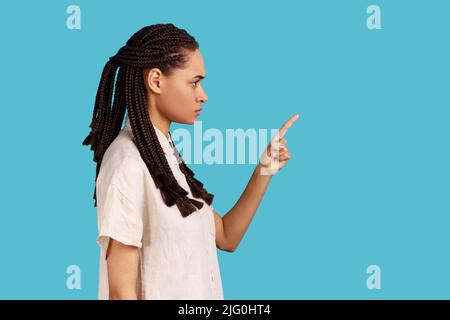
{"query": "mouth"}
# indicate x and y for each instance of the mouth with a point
(198, 110)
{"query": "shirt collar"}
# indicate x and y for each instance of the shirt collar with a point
(166, 143)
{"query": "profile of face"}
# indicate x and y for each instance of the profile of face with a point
(179, 96)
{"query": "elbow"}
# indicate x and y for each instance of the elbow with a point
(225, 244)
(227, 248)
(231, 248)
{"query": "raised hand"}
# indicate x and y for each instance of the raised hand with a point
(276, 154)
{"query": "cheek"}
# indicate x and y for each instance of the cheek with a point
(182, 94)
(178, 101)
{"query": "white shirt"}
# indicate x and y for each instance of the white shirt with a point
(177, 256)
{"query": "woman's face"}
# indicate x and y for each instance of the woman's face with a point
(178, 97)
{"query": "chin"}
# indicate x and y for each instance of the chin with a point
(187, 121)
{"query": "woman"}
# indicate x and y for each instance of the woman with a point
(158, 230)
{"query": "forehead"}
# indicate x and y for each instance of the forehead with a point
(195, 66)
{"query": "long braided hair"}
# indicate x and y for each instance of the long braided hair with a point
(162, 46)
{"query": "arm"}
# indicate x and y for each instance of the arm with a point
(122, 263)
(231, 228)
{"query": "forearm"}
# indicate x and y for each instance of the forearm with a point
(123, 295)
(122, 263)
(237, 220)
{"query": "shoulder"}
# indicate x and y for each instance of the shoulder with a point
(122, 145)
(123, 167)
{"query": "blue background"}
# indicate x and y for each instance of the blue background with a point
(368, 182)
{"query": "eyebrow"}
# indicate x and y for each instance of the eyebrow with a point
(199, 76)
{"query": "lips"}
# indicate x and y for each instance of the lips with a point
(198, 110)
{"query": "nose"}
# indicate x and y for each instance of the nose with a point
(203, 97)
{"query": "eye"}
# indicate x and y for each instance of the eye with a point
(195, 83)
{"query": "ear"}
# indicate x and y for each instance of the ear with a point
(152, 79)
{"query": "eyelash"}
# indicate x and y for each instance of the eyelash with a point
(195, 83)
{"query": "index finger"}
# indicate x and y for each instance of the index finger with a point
(284, 128)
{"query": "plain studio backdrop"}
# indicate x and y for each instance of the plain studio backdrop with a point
(368, 182)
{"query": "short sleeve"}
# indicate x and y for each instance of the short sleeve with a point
(119, 219)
